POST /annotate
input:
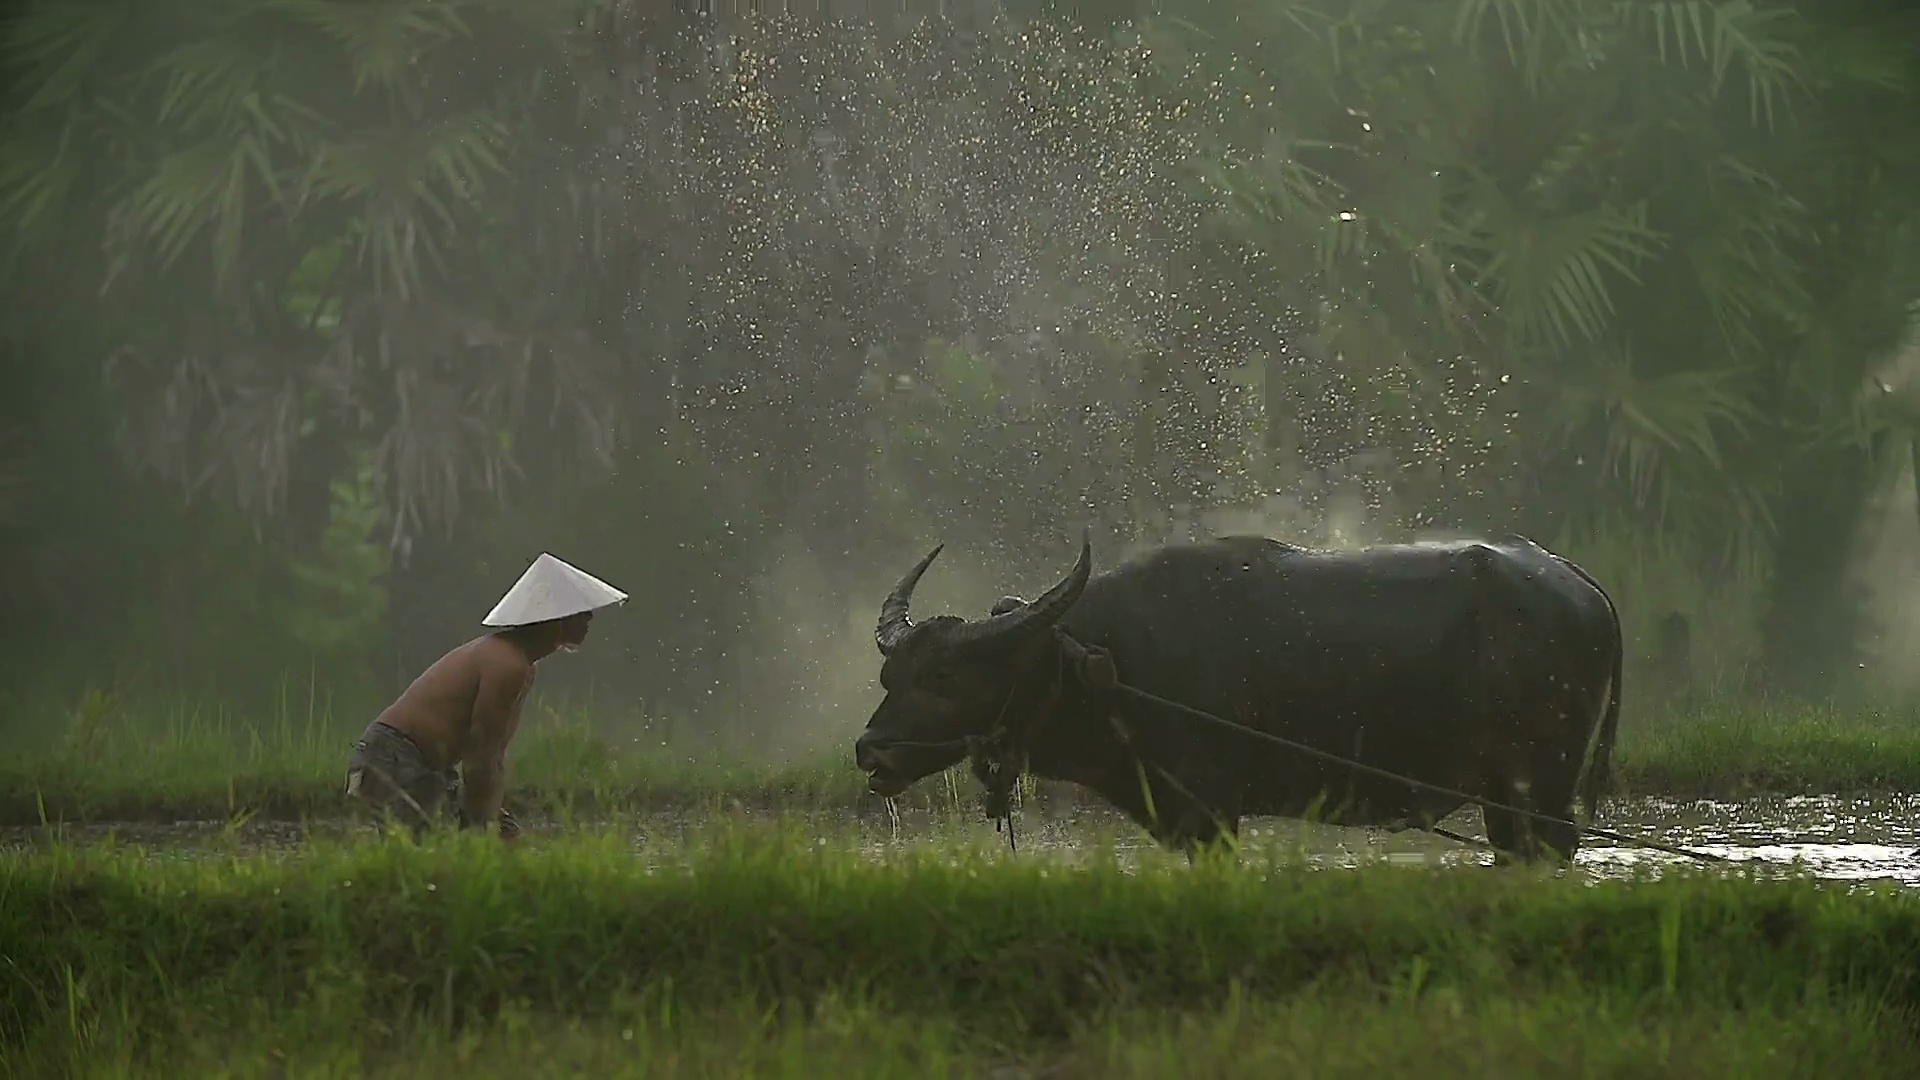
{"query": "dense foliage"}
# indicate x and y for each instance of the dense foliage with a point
(378, 300)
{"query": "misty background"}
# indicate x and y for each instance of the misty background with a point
(324, 319)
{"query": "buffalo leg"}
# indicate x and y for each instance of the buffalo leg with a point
(1513, 836)
(1185, 823)
(1553, 794)
(1528, 839)
(1190, 827)
(1541, 778)
(1198, 831)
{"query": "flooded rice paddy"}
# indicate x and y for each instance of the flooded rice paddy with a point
(1843, 839)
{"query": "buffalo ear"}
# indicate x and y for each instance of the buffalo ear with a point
(1006, 604)
(1099, 671)
(1093, 665)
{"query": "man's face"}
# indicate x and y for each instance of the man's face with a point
(573, 630)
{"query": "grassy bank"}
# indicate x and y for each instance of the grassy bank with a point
(101, 762)
(758, 953)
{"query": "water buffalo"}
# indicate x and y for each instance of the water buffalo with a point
(1485, 667)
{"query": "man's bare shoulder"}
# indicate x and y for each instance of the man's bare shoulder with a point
(484, 658)
(499, 657)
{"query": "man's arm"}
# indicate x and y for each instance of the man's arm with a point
(496, 715)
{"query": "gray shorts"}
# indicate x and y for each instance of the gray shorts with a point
(388, 773)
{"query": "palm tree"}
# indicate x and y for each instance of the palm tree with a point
(322, 173)
(1581, 256)
(1622, 209)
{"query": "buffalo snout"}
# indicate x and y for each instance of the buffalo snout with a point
(867, 755)
(890, 769)
(884, 775)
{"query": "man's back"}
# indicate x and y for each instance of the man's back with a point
(436, 710)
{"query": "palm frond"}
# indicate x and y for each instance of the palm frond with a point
(220, 416)
(40, 166)
(57, 49)
(190, 134)
(382, 39)
(69, 60)
(251, 442)
(1726, 33)
(1744, 254)
(1296, 206)
(437, 446)
(166, 402)
(1851, 53)
(1654, 421)
(199, 188)
(409, 181)
(1533, 32)
(1550, 271)
(1666, 441)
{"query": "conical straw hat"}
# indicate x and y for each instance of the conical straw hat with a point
(551, 589)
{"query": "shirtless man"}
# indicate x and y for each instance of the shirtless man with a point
(464, 709)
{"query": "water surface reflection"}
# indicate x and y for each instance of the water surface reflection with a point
(1837, 838)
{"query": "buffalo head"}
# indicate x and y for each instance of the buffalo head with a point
(948, 678)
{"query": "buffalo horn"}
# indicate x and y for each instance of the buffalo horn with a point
(1040, 614)
(894, 620)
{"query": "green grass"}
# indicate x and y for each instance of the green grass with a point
(757, 951)
(1353, 1034)
(101, 760)
(1727, 751)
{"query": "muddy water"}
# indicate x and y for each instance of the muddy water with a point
(1860, 840)
(1851, 840)
(1875, 839)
